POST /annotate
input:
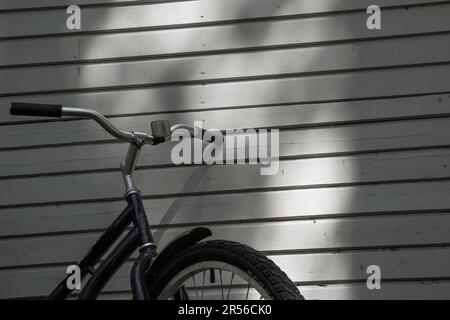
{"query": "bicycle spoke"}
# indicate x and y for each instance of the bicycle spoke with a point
(203, 286)
(195, 287)
(221, 283)
(229, 288)
(180, 292)
(248, 289)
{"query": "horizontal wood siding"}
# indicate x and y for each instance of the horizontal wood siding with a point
(364, 119)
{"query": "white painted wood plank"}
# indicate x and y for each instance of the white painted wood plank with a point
(322, 267)
(411, 290)
(112, 296)
(47, 22)
(48, 4)
(305, 31)
(293, 143)
(422, 164)
(351, 85)
(360, 55)
(361, 232)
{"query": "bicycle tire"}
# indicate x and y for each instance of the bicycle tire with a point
(256, 265)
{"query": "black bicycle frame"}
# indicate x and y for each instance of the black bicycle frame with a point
(144, 268)
(139, 235)
(135, 213)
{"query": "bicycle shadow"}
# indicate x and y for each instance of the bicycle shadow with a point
(191, 183)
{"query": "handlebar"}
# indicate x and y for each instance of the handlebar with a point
(56, 110)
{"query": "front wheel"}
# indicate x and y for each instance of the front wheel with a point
(222, 270)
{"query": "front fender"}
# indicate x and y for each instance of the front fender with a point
(180, 243)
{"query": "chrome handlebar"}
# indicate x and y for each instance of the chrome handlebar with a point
(134, 137)
(160, 129)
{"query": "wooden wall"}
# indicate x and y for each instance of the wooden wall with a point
(364, 143)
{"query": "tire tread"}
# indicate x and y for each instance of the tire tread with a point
(264, 270)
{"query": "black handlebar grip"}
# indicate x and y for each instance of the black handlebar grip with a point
(35, 109)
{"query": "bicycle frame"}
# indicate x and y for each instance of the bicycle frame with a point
(139, 236)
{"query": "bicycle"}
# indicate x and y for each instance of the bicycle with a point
(174, 272)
